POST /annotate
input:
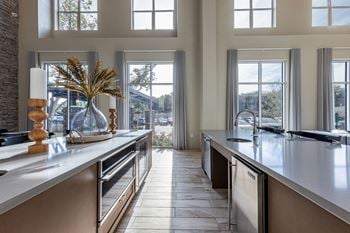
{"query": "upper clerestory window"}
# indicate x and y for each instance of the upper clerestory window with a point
(254, 14)
(330, 13)
(77, 15)
(153, 14)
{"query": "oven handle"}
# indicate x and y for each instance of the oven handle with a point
(112, 173)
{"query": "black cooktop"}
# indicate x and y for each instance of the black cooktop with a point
(11, 138)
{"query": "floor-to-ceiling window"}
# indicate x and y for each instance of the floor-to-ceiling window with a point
(261, 89)
(341, 84)
(62, 103)
(150, 100)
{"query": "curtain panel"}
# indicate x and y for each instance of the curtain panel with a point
(180, 121)
(120, 65)
(232, 88)
(294, 96)
(324, 89)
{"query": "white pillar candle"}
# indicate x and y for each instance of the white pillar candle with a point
(38, 84)
(112, 102)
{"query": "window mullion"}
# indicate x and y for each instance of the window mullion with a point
(330, 13)
(78, 23)
(347, 119)
(151, 95)
(272, 13)
(153, 15)
(251, 14)
(260, 92)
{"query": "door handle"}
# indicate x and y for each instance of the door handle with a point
(230, 194)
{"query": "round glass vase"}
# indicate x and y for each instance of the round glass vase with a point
(90, 121)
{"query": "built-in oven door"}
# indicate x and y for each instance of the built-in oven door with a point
(114, 183)
(142, 161)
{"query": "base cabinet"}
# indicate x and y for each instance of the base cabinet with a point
(70, 206)
(290, 212)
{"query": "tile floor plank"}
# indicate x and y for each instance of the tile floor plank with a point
(176, 198)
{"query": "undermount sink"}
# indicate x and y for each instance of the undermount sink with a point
(238, 140)
(2, 172)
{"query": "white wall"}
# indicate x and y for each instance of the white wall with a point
(116, 35)
(205, 32)
(293, 31)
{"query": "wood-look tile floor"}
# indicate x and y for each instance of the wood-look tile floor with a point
(176, 198)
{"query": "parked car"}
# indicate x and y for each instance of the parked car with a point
(270, 122)
(57, 118)
(170, 121)
(162, 121)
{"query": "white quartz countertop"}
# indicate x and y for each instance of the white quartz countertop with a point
(317, 170)
(30, 175)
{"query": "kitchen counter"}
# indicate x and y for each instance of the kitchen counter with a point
(30, 175)
(317, 170)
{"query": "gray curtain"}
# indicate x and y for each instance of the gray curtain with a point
(324, 89)
(92, 57)
(180, 123)
(120, 65)
(294, 97)
(232, 87)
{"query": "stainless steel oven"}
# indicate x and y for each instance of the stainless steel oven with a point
(142, 161)
(116, 173)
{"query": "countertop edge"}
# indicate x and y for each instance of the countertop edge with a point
(37, 190)
(314, 198)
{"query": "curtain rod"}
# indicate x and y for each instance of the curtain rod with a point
(262, 49)
(149, 51)
(341, 47)
(62, 51)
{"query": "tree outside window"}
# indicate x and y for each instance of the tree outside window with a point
(261, 88)
(77, 15)
(150, 100)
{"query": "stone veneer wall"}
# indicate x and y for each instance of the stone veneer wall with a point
(8, 64)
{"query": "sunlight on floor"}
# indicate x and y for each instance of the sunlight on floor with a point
(176, 197)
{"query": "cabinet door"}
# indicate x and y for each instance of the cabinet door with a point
(70, 206)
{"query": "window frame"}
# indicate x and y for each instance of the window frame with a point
(329, 8)
(346, 83)
(153, 12)
(78, 12)
(127, 83)
(251, 11)
(45, 65)
(260, 84)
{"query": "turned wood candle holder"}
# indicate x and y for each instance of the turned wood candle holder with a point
(113, 119)
(38, 134)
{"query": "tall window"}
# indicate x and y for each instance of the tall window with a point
(341, 87)
(77, 15)
(62, 103)
(330, 13)
(151, 100)
(261, 89)
(154, 14)
(254, 13)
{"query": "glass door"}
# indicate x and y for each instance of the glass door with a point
(150, 106)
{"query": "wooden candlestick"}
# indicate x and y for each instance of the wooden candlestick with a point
(113, 119)
(38, 134)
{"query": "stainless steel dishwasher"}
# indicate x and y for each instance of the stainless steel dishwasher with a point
(206, 158)
(247, 198)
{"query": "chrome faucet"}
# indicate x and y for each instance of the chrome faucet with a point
(254, 121)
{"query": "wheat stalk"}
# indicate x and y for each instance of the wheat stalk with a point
(75, 78)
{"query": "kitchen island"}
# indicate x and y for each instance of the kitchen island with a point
(52, 190)
(308, 181)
